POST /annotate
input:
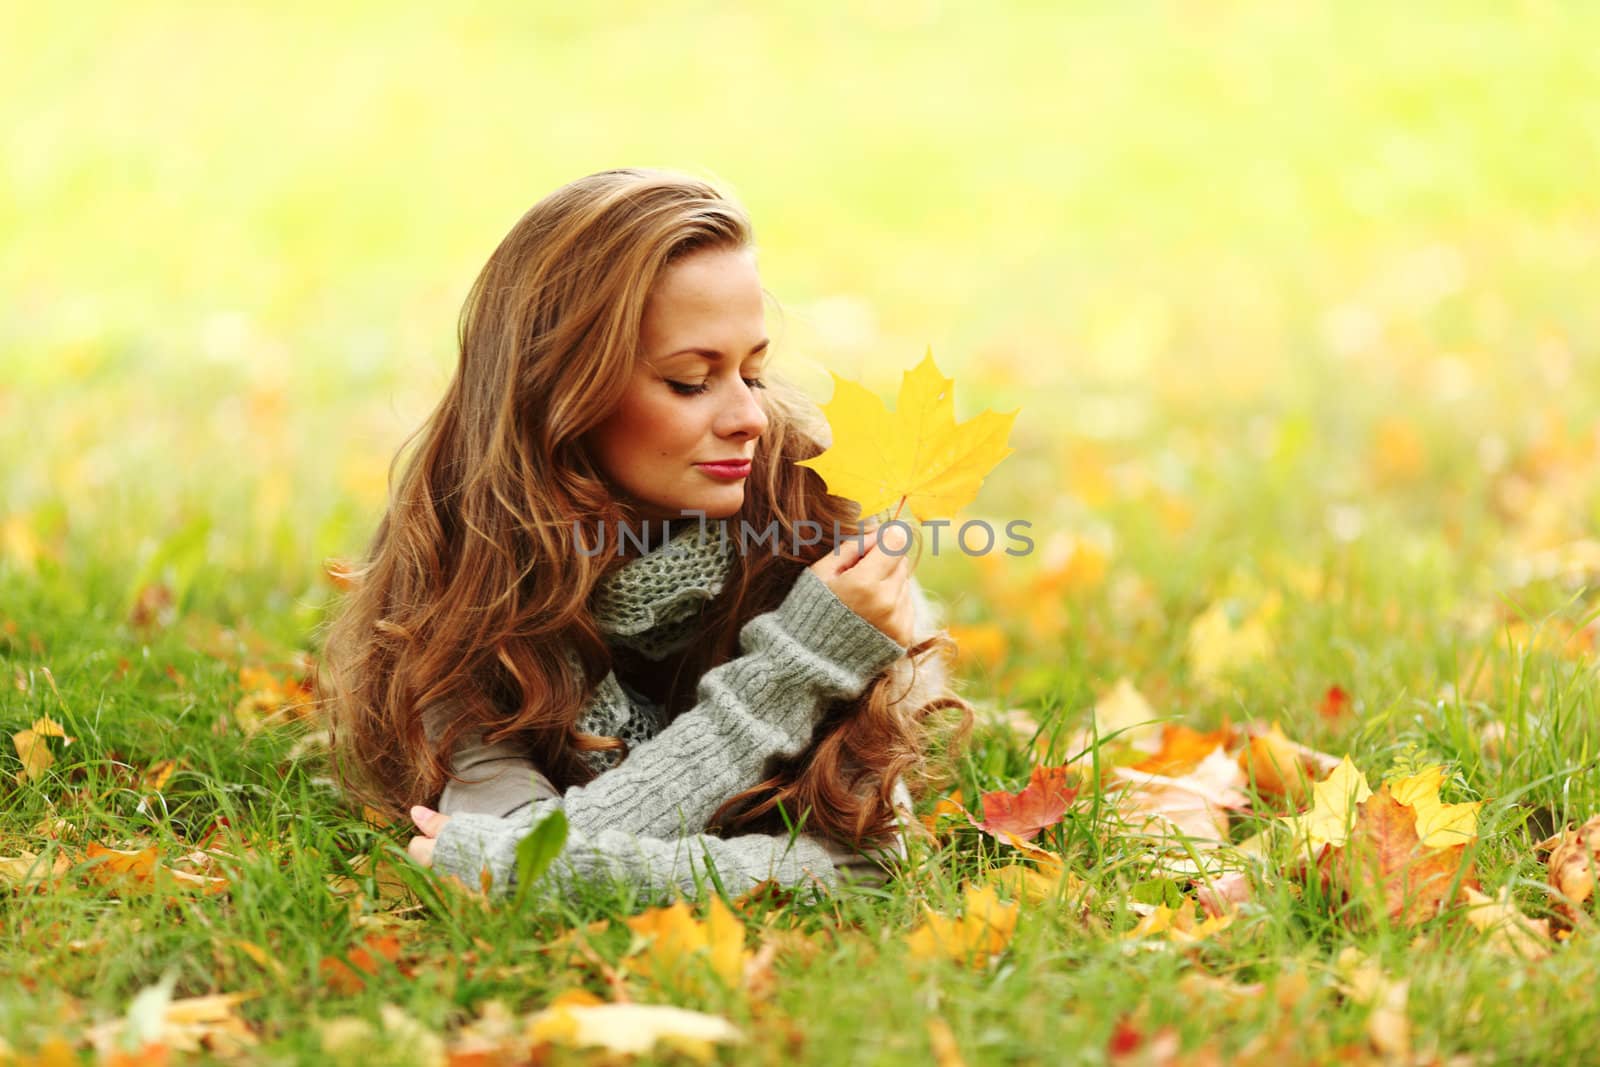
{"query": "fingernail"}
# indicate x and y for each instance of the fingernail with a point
(420, 813)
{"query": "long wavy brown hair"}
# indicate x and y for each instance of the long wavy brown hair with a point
(473, 582)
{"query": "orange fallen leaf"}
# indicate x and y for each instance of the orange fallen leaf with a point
(949, 807)
(123, 868)
(1182, 748)
(365, 959)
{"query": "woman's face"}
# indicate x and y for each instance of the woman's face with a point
(693, 398)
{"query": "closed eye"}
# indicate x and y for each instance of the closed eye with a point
(685, 389)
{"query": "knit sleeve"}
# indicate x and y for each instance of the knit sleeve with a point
(797, 659)
(482, 850)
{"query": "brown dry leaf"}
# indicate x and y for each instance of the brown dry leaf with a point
(1505, 928)
(1385, 858)
(671, 937)
(982, 932)
(1574, 857)
(392, 891)
(1011, 817)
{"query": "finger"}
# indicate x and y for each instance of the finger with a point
(421, 850)
(847, 552)
(427, 820)
(890, 548)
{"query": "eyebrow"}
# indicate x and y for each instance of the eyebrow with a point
(713, 355)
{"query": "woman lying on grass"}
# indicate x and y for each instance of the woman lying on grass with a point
(754, 708)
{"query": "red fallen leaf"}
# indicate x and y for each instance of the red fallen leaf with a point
(1020, 816)
(1125, 1038)
(1384, 858)
(1335, 704)
(347, 978)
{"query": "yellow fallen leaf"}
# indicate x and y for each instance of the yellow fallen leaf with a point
(1125, 713)
(1332, 812)
(942, 1043)
(1178, 924)
(672, 936)
(983, 930)
(633, 1029)
(1217, 647)
(917, 455)
(33, 751)
(1439, 825)
(1505, 928)
(26, 871)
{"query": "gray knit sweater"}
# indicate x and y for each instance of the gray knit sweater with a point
(642, 821)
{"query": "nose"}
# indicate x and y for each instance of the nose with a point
(743, 418)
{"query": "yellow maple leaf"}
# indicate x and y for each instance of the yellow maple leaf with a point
(674, 936)
(1332, 811)
(983, 930)
(1439, 825)
(31, 748)
(916, 456)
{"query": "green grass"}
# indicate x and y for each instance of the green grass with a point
(1292, 300)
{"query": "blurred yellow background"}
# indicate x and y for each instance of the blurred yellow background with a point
(1263, 277)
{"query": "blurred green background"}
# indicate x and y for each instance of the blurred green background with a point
(1264, 278)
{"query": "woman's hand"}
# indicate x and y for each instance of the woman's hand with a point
(874, 583)
(429, 822)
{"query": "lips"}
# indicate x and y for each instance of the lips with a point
(729, 469)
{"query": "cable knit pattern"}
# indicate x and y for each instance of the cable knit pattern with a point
(643, 820)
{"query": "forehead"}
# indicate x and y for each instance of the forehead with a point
(706, 299)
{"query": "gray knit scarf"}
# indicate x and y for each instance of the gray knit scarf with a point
(651, 604)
